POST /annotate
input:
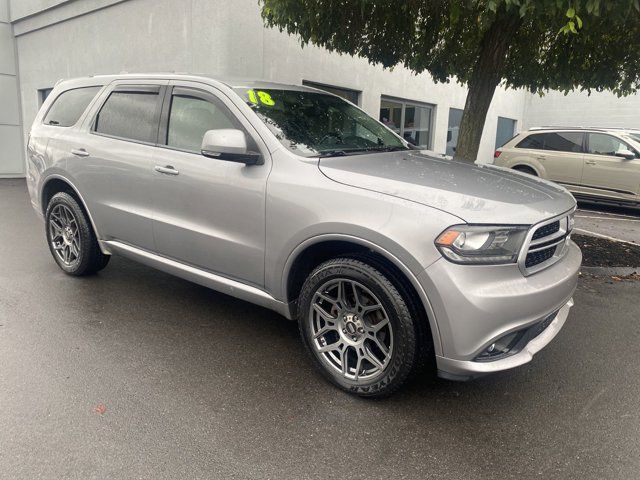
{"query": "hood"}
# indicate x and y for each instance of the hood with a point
(474, 193)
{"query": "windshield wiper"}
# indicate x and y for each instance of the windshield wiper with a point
(332, 153)
(359, 151)
(389, 148)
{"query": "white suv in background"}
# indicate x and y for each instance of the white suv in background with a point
(598, 164)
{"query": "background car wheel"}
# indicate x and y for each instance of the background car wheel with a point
(523, 169)
(71, 239)
(357, 327)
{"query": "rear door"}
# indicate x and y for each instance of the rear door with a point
(209, 213)
(560, 154)
(608, 175)
(112, 164)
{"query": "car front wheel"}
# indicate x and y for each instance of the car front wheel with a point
(357, 327)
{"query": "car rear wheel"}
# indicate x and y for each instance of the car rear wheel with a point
(71, 239)
(523, 169)
(357, 327)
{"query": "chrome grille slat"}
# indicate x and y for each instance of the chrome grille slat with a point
(546, 243)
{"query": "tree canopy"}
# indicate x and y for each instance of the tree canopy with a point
(533, 44)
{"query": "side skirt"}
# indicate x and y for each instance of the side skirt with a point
(201, 277)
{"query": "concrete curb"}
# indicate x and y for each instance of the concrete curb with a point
(609, 271)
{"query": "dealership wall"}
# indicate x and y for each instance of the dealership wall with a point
(62, 39)
(69, 38)
(11, 155)
(581, 109)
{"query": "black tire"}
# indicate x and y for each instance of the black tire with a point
(403, 357)
(88, 259)
(523, 169)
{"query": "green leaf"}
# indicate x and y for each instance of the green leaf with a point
(455, 12)
(571, 12)
(579, 21)
(572, 27)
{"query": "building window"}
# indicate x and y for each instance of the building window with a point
(455, 117)
(43, 93)
(348, 94)
(410, 120)
(506, 130)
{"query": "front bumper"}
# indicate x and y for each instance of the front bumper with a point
(475, 306)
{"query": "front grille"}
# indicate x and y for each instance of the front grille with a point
(546, 230)
(546, 245)
(536, 258)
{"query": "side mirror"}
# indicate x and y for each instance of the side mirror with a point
(229, 144)
(628, 154)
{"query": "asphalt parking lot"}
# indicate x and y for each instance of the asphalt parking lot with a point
(135, 374)
(609, 222)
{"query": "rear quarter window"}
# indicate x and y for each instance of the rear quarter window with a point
(532, 141)
(69, 106)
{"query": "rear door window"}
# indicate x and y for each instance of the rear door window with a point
(554, 141)
(131, 114)
(563, 141)
(69, 106)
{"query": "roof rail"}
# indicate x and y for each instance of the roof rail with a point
(565, 127)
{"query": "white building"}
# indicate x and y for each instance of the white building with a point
(42, 41)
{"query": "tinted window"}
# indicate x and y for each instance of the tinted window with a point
(601, 144)
(132, 115)
(532, 141)
(69, 106)
(554, 141)
(191, 117)
(563, 141)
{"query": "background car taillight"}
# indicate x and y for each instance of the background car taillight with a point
(497, 153)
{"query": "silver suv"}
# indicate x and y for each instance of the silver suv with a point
(391, 260)
(595, 164)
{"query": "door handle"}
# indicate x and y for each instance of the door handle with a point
(541, 157)
(80, 152)
(590, 162)
(168, 170)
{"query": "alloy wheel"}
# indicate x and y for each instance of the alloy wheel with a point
(350, 329)
(64, 234)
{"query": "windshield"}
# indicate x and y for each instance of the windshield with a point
(634, 136)
(314, 124)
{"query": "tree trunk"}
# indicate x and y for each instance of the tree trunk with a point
(486, 75)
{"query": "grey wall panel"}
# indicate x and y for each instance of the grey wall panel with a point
(7, 57)
(61, 12)
(22, 8)
(11, 157)
(9, 110)
(4, 11)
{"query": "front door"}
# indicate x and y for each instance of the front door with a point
(606, 174)
(209, 213)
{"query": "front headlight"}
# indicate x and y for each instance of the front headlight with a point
(482, 244)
